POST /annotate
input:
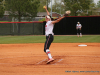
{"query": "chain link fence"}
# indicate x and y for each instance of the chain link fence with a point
(21, 28)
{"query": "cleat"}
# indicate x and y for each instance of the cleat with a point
(50, 60)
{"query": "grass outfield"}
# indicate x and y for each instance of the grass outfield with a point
(57, 39)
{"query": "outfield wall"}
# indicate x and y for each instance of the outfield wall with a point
(67, 26)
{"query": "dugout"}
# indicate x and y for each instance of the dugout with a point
(67, 26)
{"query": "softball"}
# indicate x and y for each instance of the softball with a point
(44, 7)
(68, 12)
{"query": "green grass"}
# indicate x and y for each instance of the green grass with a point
(4, 21)
(75, 39)
(57, 39)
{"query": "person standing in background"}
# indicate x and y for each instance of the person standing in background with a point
(78, 27)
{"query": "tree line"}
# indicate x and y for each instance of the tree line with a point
(77, 7)
(24, 8)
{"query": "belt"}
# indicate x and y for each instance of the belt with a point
(49, 34)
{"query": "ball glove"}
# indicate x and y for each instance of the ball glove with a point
(67, 13)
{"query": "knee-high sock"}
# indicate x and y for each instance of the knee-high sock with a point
(48, 53)
(80, 34)
(77, 34)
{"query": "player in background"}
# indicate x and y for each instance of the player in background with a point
(49, 33)
(78, 27)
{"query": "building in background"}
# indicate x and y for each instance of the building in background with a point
(39, 16)
(43, 14)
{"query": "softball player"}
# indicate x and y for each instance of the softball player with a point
(78, 27)
(49, 34)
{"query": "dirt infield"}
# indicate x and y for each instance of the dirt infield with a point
(70, 59)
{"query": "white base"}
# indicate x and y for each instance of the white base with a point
(82, 45)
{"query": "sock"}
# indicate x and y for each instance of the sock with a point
(80, 34)
(48, 53)
(77, 34)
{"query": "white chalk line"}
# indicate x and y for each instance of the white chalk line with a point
(41, 61)
(57, 61)
(54, 56)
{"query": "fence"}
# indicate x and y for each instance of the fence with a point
(21, 28)
(67, 26)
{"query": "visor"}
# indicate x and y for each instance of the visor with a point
(48, 17)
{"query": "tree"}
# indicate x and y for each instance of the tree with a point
(1, 0)
(77, 5)
(57, 7)
(42, 3)
(1, 9)
(92, 8)
(98, 4)
(22, 8)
